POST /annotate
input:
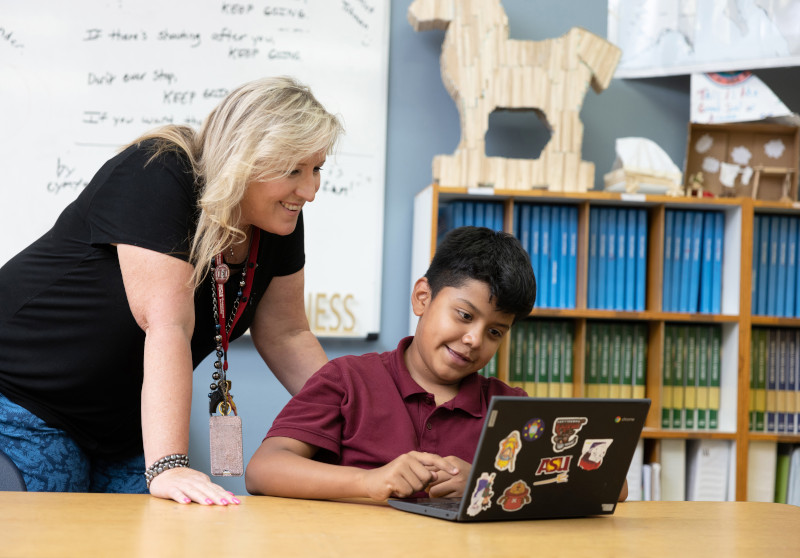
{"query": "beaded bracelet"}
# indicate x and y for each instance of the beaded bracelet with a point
(164, 464)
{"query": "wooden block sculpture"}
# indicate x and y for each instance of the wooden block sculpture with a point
(484, 70)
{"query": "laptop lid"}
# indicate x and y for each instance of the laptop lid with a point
(543, 458)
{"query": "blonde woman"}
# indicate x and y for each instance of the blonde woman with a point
(178, 245)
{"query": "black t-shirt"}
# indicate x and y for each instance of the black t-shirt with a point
(70, 349)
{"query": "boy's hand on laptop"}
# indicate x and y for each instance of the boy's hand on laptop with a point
(448, 485)
(409, 473)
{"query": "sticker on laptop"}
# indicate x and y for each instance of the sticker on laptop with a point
(515, 497)
(507, 455)
(482, 495)
(593, 453)
(552, 465)
(533, 430)
(565, 432)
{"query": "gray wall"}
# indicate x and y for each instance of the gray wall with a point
(423, 122)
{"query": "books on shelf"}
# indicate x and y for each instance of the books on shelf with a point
(540, 357)
(635, 474)
(690, 396)
(775, 380)
(776, 281)
(673, 470)
(477, 213)
(682, 470)
(773, 473)
(615, 359)
(761, 463)
(693, 249)
(549, 233)
(708, 472)
(617, 266)
(611, 247)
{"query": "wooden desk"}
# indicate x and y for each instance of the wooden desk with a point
(89, 525)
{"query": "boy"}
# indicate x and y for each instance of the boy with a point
(378, 425)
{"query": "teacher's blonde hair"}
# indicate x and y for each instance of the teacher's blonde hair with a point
(261, 130)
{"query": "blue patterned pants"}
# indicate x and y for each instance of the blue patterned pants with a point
(51, 461)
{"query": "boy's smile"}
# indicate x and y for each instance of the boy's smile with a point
(459, 331)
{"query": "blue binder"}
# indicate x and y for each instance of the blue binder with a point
(572, 257)
(458, 214)
(610, 285)
(591, 282)
(716, 278)
(544, 257)
(563, 266)
(479, 213)
(693, 297)
(687, 245)
(602, 260)
(536, 225)
(791, 268)
(706, 269)
(772, 269)
(677, 258)
(666, 295)
(499, 225)
(631, 282)
(555, 256)
(522, 225)
(641, 260)
(780, 305)
(763, 265)
(621, 284)
(469, 213)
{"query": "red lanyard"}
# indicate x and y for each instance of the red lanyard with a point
(248, 285)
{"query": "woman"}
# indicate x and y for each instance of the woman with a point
(105, 317)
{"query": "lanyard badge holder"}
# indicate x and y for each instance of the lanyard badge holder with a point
(225, 428)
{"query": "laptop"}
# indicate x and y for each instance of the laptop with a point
(545, 458)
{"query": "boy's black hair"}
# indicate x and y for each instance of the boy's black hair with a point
(496, 258)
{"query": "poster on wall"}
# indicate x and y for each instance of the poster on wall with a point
(80, 79)
(672, 37)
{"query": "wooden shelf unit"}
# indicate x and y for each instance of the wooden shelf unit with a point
(736, 320)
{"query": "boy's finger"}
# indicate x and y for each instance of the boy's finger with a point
(431, 459)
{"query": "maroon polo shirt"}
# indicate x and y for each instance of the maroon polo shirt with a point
(364, 411)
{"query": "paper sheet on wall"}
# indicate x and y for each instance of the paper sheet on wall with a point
(672, 37)
(717, 98)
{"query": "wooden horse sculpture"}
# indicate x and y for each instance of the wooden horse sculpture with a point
(484, 70)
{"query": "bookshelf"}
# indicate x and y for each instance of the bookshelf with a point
(734, 319)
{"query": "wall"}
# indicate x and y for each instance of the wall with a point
(423, 122)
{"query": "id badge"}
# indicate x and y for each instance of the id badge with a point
(225, 433)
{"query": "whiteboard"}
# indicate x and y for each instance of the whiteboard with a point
(79, 79)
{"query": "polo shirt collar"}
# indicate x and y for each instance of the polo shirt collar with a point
(470, 395)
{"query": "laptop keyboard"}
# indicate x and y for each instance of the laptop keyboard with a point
(449, 505)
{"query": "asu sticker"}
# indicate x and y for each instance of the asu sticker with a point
(507, 455)
(482, 495)
(515, 497)
(550, 465)
(593, 453)
(533, 429)
(565, 432)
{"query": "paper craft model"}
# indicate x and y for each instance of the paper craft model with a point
(484, 70)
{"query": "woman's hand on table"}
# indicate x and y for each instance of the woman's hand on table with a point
(185, 485)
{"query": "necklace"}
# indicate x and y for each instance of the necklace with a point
(220, 397)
